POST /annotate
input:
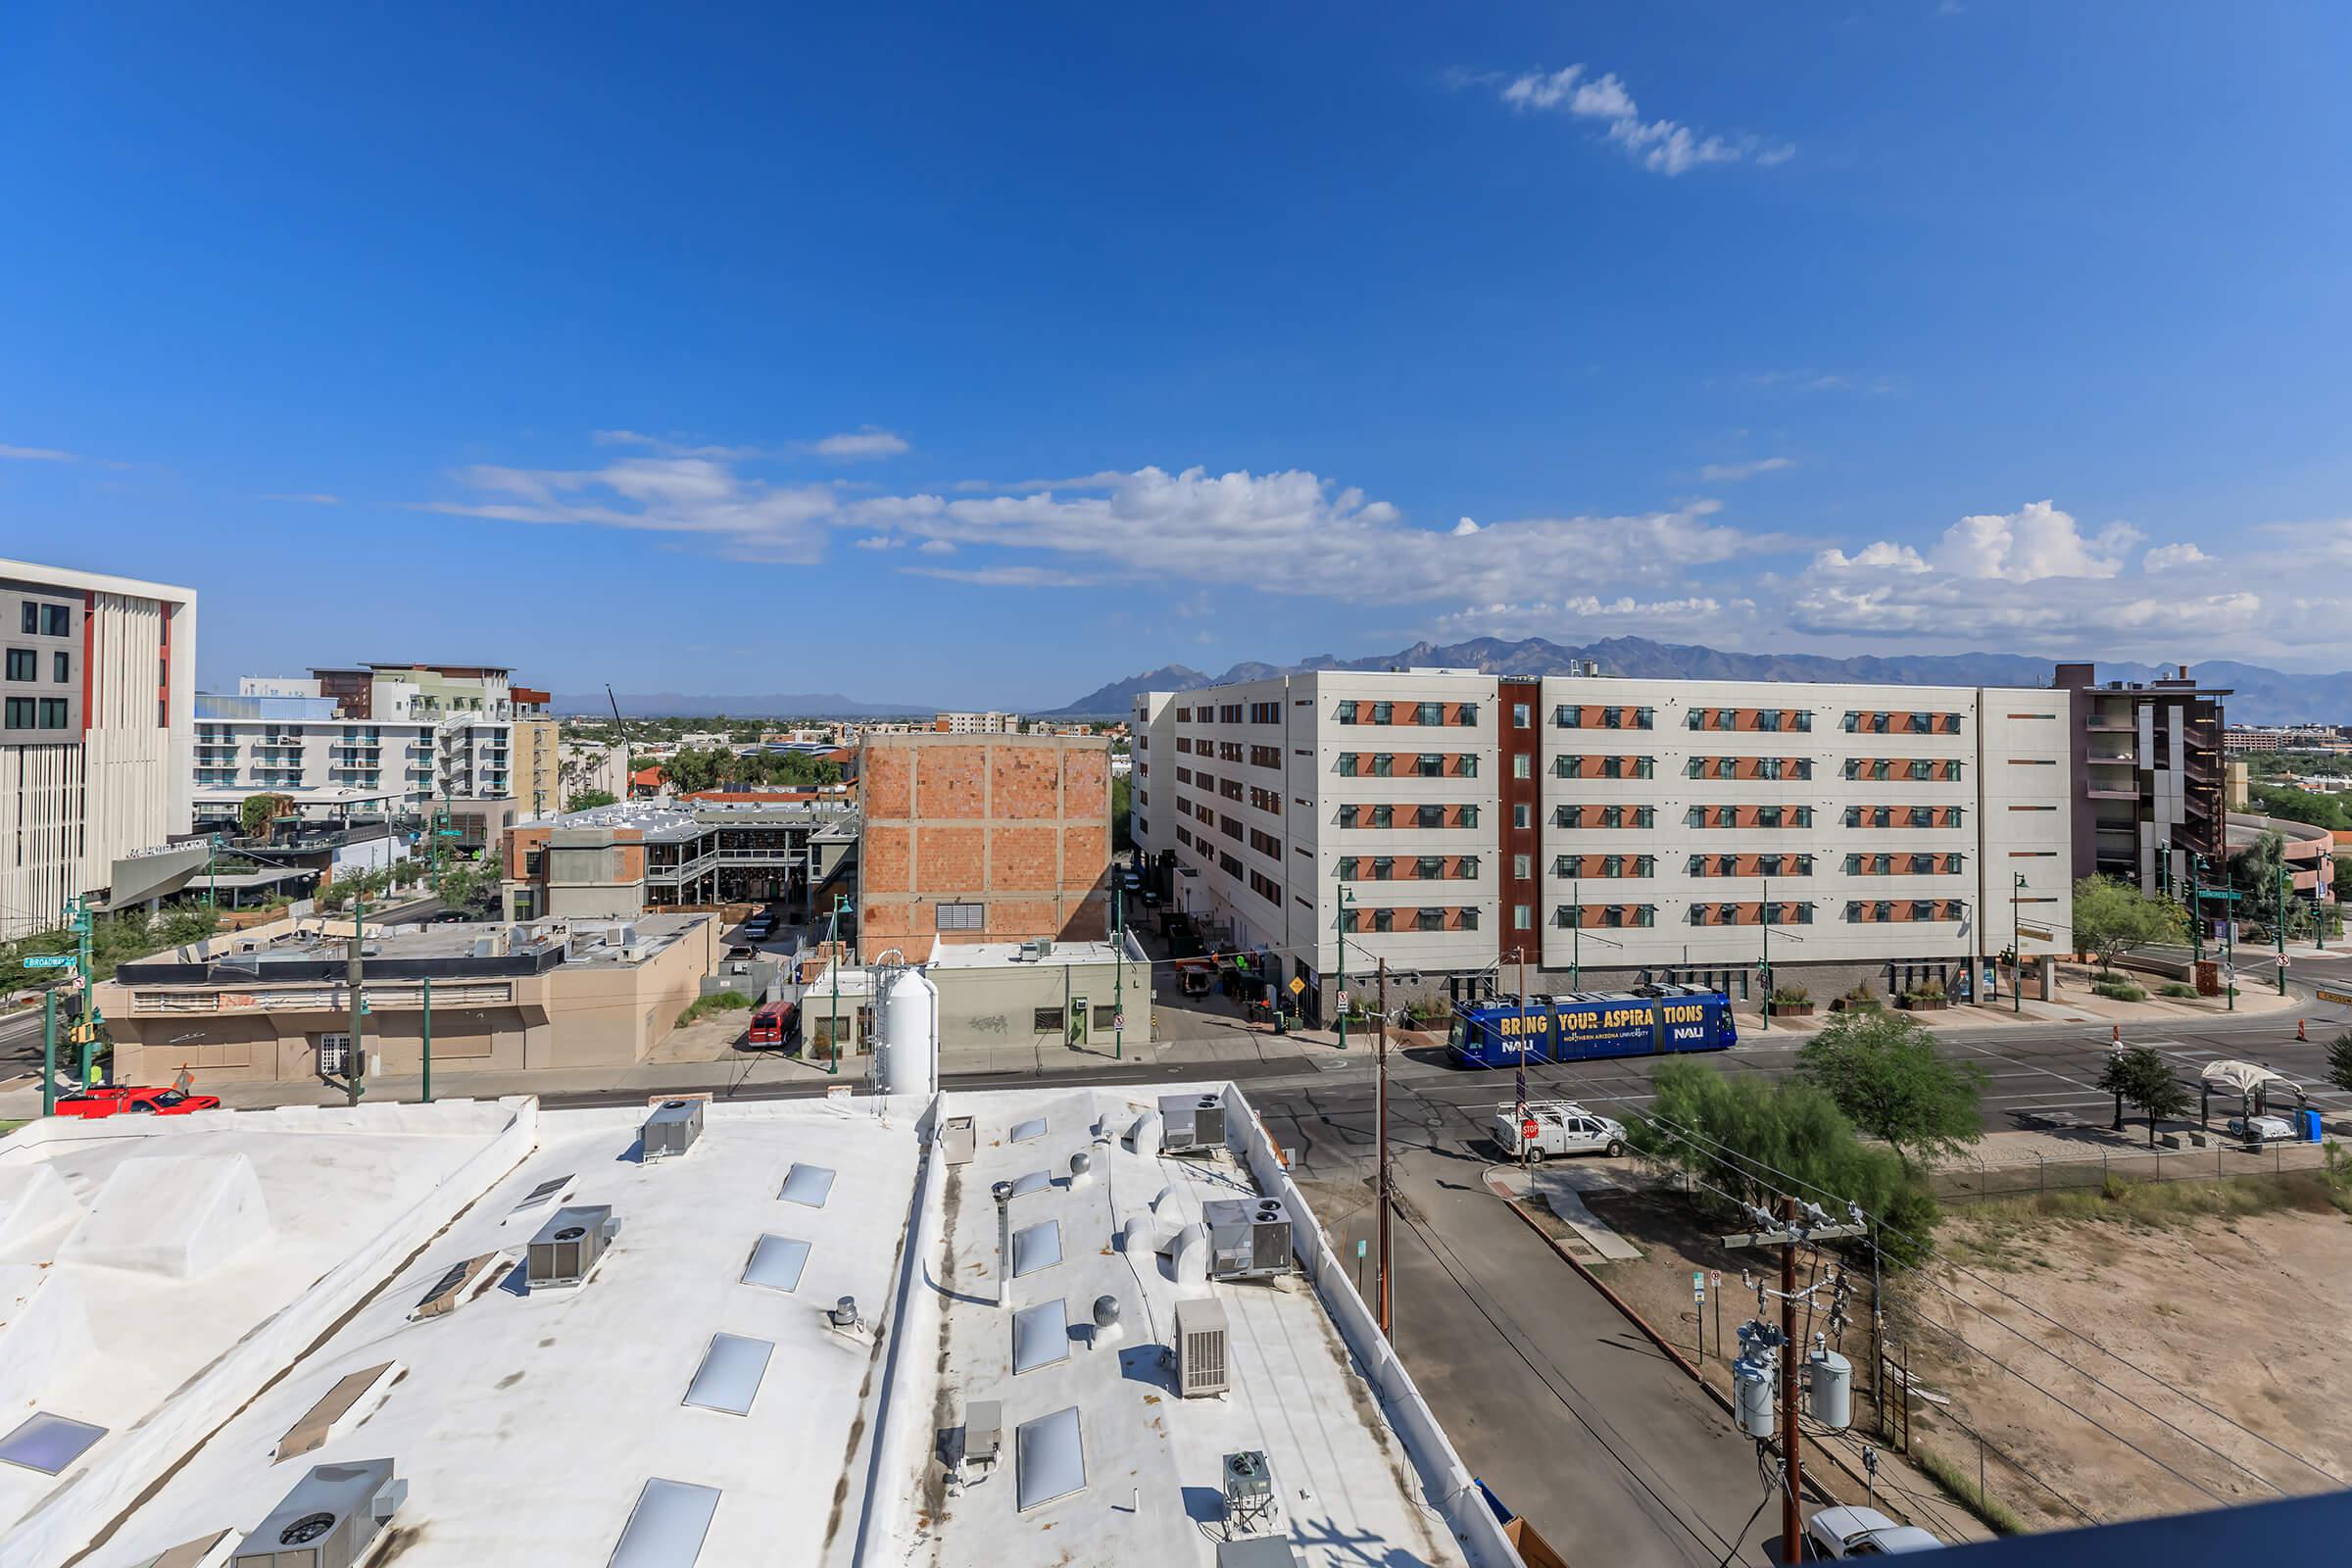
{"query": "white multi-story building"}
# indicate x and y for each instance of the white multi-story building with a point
(990, 724)
(94, 723)
(1604, 830)
(293, 737)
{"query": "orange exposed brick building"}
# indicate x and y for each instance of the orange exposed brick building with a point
(983, 838)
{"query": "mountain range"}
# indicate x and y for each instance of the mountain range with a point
(2260, 695)
(772, 705)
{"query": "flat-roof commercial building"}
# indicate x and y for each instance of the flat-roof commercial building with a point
(613, 861)
(983, 838)
(1082, 995)
(2150, 787)
(1605, 830)
(273, 1003)
(798, 1341)
(97, 674)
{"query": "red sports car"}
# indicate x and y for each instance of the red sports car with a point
(135, 1101)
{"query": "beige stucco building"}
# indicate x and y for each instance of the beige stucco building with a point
(273, 1003)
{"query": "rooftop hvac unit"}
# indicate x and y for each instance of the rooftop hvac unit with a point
(1248, 1238)
(983, 1431)
(1258, 1552)
(1038, 949)
(672, 1128)
(1192, 1124)
(569, 1245)
(328, 1520)
(1248, 1488)
(1203, 1347)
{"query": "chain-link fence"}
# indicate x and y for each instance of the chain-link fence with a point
(1972, 1180)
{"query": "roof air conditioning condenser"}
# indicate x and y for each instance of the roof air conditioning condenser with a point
(1248, 1238)
(1204, 1344)
(569, 1245)
(672, 1128)
(328, 1520)
(1192, 1124)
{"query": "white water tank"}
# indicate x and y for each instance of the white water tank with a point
(910, 1036)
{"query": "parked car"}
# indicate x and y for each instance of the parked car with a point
(136, 1100)
(1561, 1128)
(2262, 1129)
(1837, 1533)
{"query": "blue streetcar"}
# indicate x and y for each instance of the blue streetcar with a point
(1587, 1025)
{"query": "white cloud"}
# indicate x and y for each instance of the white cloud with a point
(1567, 616)
(36, 454)
(1732, 472)
(866, 441)
(313, 498)
(881, 541)
(2164, 557)
(1662, 146)
(1464, 528)
(936, 547)
(1006, 577)
(745, 518)
(1883, 553)
(2033, 542)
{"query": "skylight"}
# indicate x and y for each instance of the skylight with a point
(1041, 1336)
(1023, 1131)
(666, 1529)
(1039, 1246)
(1051, 1455)
(1036, 1181)
(730, 1374)
(776, 1262)
(48, 1442)
(808, 1184)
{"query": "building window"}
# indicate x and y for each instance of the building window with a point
(1469, 816)
(20, 712)
(1347, 815)
(1469, 919)
(23, 664)
(1383, 816)
(1429, 816)
(1520, 715)
(1522, 866)
(53, 712)
(1384, 919)
(1428, 765)
(1047, 1021)
(63, 664)
(959, 916)
(1522, 815)
(1522, 766)
(1522, 917)
(1428, 867)
(1429, 712)
(1344, 868)
(1430, 921)
(1347, 767)
(1384, 765)
(1384, 713)
(1567, 716)
(334, 1054)
(1384, 867)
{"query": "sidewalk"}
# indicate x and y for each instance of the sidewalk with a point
(1216, 1056)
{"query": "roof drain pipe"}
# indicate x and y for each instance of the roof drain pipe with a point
(1002, 1192)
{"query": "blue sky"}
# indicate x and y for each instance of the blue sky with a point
(977, 356)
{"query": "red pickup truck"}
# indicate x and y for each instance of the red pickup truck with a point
(135, 1101)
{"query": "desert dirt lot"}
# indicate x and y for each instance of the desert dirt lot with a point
(2207, 1330)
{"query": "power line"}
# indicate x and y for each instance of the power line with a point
(1671, 1129)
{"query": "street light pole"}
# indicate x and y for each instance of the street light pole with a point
(1764, 917)
(1381, 1025)
(2017, 947)
(1576, 937)
(429, 1039)
(2281, 922)
(1340, 995)
(354, 1068)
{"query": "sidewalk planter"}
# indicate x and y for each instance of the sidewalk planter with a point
(1922, 1004)
(1855, 1004)
(1792, 1009)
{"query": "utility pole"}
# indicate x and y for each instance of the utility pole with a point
(833, 941)
(1764, 918)
(1340, 993)
(1784, 1231)
(2280, 921)
(1118, 973)
(2017, 947)
(429, 1039)
(2196, 910)
(85, 1032)
(1386, 1329)
(212, 882)
(49, 1052)
(354, 1068)
(1576, 937)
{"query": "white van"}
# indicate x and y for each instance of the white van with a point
(1562, 1127)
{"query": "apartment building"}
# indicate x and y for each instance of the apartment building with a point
(983, 838)
(617, 861)
(95, 697)
(2154, 789)
(1604, 831)
(976, 723)
(341, 755)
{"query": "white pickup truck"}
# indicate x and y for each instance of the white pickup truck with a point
(1561, 1128)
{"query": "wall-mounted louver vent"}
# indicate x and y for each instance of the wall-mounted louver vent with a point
(569, 1245)
(328, 1520)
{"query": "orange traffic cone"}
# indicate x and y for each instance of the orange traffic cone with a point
(2117, 1038)
(2302, 1029)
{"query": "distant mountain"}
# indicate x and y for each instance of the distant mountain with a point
(1118, 698)
(2260, 695)
(792, 705)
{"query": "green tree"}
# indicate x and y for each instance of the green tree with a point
(256, 813)
(2299, 805)
(590, 799)
(2111, 917)
(1122, 832)
(2140, 1078)
(1754, 1138)
(2340, 1061)
(1883, 1071)
(2254, 872)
